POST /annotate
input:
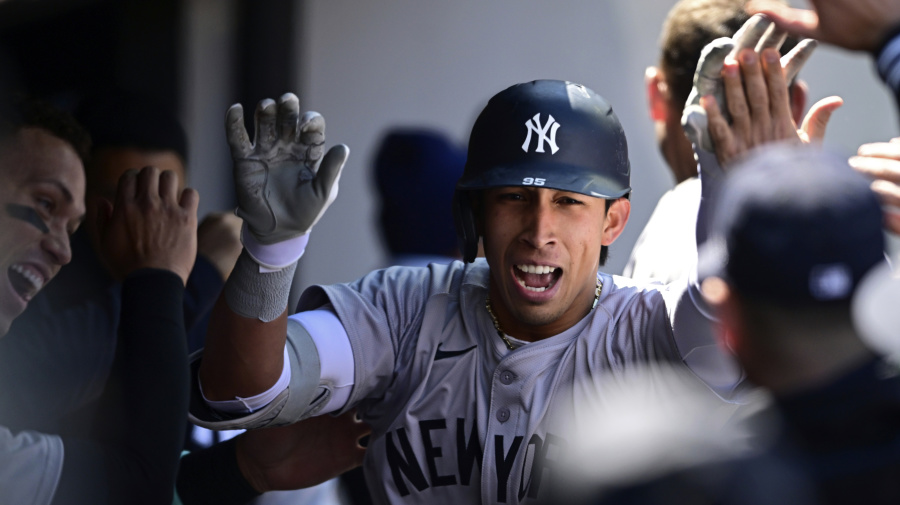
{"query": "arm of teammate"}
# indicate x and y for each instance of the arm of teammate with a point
(852, 24)
(754, 91)
(149, 238)
(865, 25)
(282, 189)
(742, 101)
(297, 456)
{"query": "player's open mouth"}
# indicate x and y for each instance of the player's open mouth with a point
(25, 280)
(537, 278)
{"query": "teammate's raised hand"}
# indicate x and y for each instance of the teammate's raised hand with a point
(757, 34)
(881, 162)
(851, 24)
(758, 103)
(282, 181)
(151, 224)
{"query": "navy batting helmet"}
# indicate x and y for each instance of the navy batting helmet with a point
(549, 134)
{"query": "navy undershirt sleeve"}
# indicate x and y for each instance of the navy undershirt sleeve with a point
(132, 456)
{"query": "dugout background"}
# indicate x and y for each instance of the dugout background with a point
(370, 64)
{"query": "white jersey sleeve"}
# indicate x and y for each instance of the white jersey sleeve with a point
(30, 466)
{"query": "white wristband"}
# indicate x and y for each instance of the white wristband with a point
(272, 257)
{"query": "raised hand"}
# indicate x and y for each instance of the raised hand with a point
(282, 187)
(881, 162)
(851, 24)
(151, 224)
(757, 34)
(758, 102)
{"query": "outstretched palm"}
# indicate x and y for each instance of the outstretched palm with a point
(281, 193)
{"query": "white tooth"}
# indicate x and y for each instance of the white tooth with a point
(530, 288)
(536, 269)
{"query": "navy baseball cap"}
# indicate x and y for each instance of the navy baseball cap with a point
(793, 225)
(415, 172)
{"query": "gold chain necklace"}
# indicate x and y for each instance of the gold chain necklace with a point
(502, 334)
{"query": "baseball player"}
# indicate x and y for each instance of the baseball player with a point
(464, 371)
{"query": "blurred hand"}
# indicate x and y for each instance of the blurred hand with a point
(302, 454)
(219, 241)
(150, 225)
(881, 162)
(851, 24)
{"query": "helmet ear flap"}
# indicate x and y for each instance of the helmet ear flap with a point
(466, 231)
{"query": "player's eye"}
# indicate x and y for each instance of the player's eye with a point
(566, 200)
(511, 196)
(44, 204)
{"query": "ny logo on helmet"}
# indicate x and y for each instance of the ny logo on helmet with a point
(534, 124)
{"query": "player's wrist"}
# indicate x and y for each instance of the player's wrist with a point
(275, 256)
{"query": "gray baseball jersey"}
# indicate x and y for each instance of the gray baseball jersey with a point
(456, 416)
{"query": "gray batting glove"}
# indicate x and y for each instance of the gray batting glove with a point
(280, 190)
(758, 33)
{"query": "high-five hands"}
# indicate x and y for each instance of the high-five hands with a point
(282, 187)
(747, 103)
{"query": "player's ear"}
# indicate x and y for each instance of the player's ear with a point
(615, 220)
(657, 94)
(799, 93)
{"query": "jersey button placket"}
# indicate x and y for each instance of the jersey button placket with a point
(503, 414)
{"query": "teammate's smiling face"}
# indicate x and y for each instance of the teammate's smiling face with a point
(543, 248)
(41, 202)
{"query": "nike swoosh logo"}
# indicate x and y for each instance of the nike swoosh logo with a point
(439, 354)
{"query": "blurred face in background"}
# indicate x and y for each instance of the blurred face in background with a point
(42, 191)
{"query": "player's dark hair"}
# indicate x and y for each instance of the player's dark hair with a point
(119, 118)
(769, 323)
(19, 111)
(691, 25)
